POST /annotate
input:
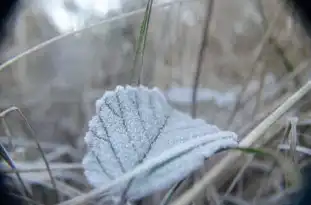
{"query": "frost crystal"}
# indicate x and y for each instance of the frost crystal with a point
(135, 124)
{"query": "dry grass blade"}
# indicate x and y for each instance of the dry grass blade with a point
(261, 116)
(204, 45)
(293, 138)
(19, 141)
(275, 200)
(67, 189)
(168, 196)
(257, 55)
(70, 34)
(259, 93)
(266, 183)
(298, 148)
(202, 53)
(249, 140)
(234, 200)
(7, 111)
(278, 49)
(40, 168)
(7, 131)
(302, 66)
(283, 83)
(26, 199)
(213, 195)
(293, 176)
(239, 175)
(5, 156)
(61, 151)
(33, 136)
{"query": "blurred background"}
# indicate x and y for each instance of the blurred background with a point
(256, 56)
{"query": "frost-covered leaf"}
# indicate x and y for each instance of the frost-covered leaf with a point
(135, 124)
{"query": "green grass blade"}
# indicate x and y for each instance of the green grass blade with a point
(141, 44)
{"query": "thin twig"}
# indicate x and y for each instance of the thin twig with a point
(33, 136)
(204, 45)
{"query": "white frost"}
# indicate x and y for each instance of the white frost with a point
(135, 124)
